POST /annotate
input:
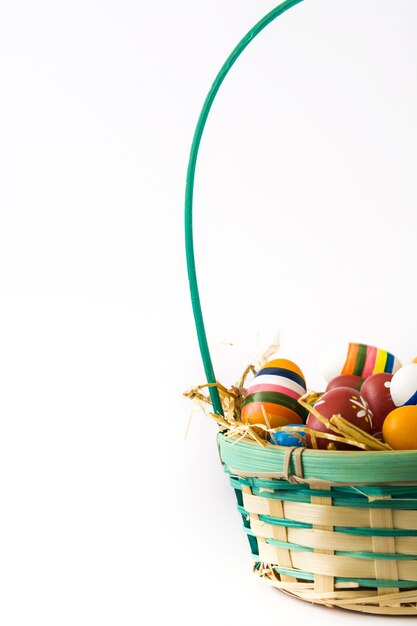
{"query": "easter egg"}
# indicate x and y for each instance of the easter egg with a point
(276, 414)
(400, 428)
(357, 359)
(274, 391)
(404, 385)
(344, 401)
(282, 438)
(347, 380)
(377, 392)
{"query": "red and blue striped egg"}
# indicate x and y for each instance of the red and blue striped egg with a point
(404, 385)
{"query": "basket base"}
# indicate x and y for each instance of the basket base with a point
(347, 596)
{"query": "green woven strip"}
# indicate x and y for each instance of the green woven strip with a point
(281, 544)
(349, 467)
(386, 556)
(393, 491)
(277, 485)
(353, 502)
(295, 573)
(380, 490)
(369, 582)
(288, 545)
(377, 532)
(276, 521)
(363, 582)
(242, 511)
(357, 555)
(364, 531)
(299, 493)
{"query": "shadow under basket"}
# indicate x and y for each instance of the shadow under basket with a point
(330, 527)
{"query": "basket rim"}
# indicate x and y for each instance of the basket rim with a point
(312, 451)
(332, 466)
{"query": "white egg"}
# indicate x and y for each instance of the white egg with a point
(404, 385)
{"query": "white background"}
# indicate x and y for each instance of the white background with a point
(305, 223)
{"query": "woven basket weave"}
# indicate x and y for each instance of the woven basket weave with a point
(322, 529)
(330, 527)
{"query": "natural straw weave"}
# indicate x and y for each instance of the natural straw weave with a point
(323, 527)
(335, 528)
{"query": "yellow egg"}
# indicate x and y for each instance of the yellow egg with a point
(400, 428)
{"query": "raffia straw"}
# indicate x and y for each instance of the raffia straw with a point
(232, 401)
(230, 423)
(359, 434)
(292, 430)
(231, 398)
(271, 351)
(195, 394)
(329, 437)
(242, 380)
(237, 430)
(265, 416)
(345, 432)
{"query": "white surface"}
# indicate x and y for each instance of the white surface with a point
(308, 161)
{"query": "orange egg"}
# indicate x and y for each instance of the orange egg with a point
(400, 428)
(276, 415)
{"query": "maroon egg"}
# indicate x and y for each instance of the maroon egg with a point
(376, 391)
(348, 403)
(345, 380)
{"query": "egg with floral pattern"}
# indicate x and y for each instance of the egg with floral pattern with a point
(344, 401)
(377, 392)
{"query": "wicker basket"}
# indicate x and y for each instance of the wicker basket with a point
(322, 529)
(330, 527)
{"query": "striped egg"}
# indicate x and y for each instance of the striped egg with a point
(404, 385)
(356, 359)
(274, 391)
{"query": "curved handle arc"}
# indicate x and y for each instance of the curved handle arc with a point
(189, 193)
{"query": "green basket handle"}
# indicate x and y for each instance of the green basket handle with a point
(189, 191)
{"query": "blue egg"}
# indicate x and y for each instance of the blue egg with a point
(286, 439)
